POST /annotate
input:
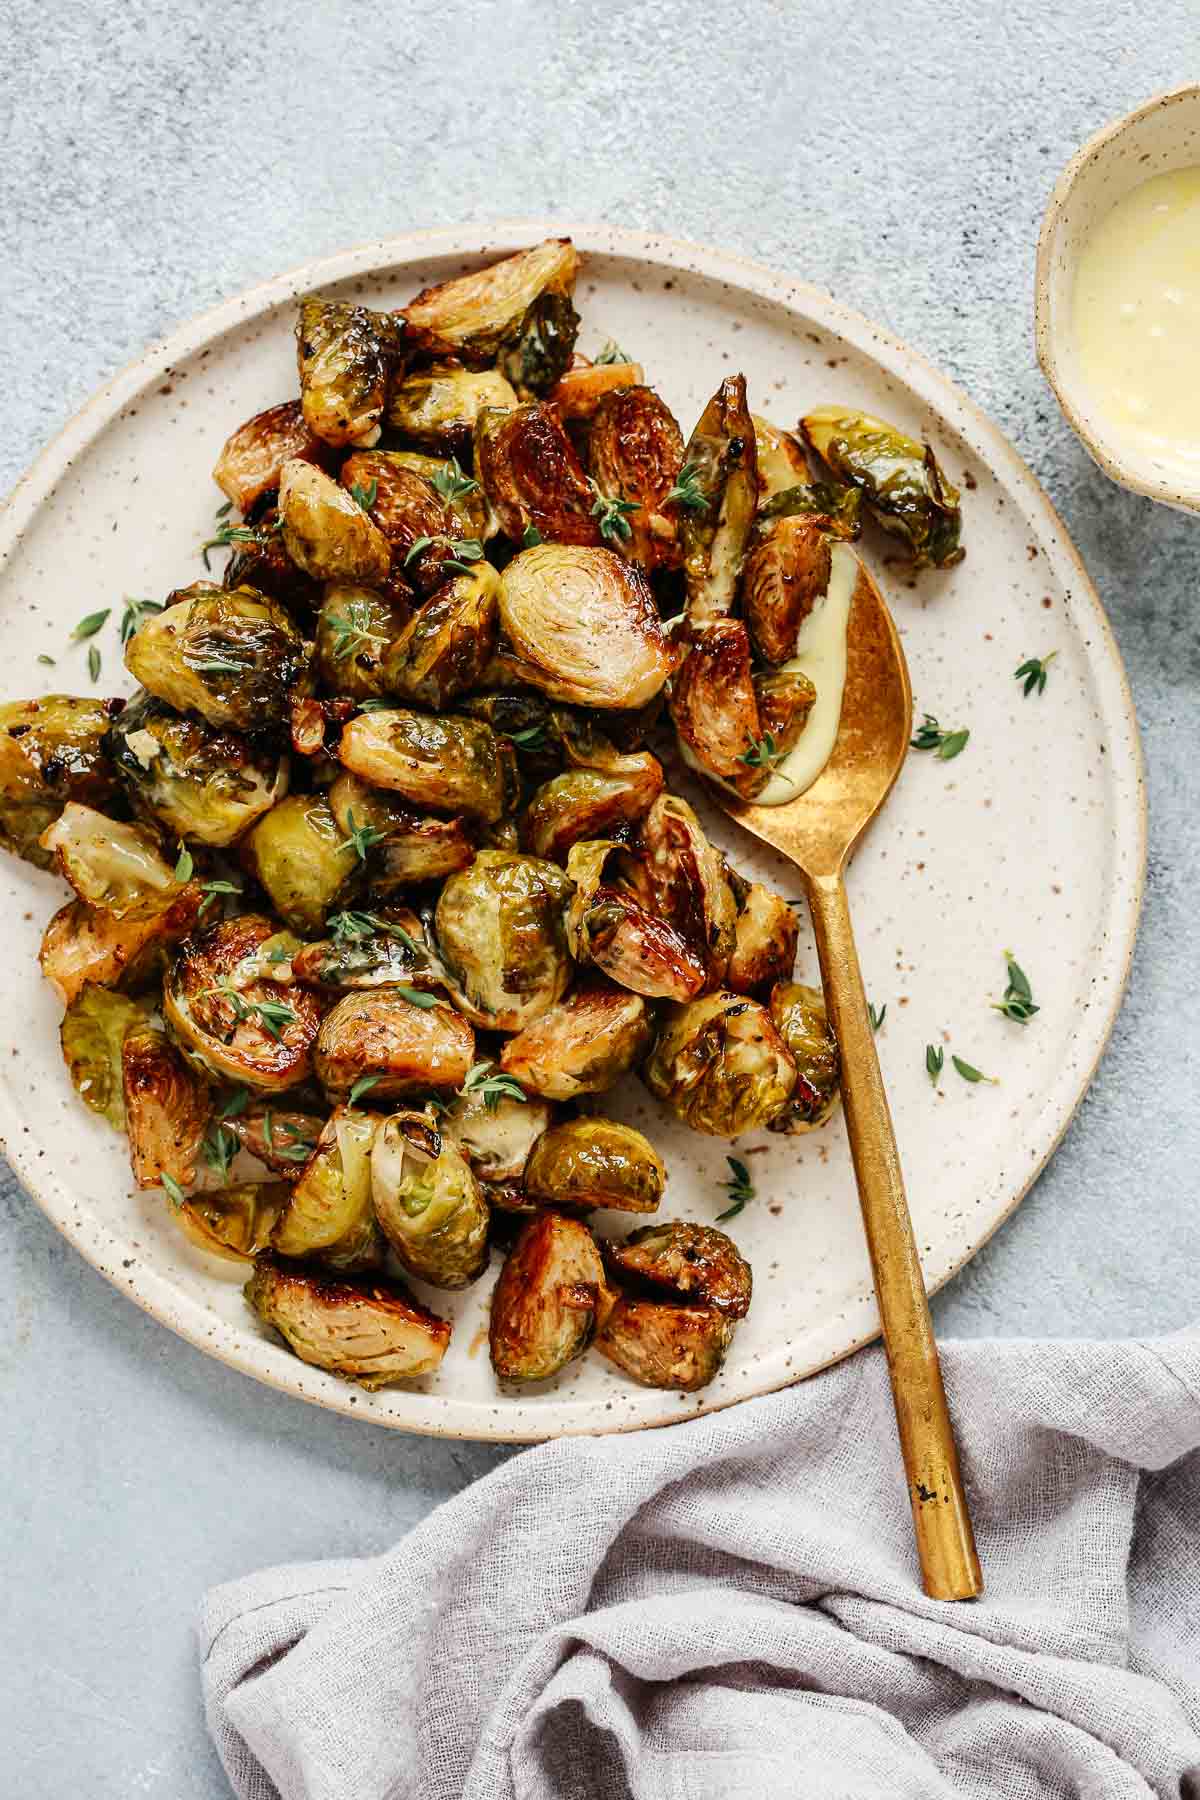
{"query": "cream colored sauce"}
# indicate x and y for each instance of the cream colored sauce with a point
(1136, 310)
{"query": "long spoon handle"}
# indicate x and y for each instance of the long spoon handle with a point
(945, 1541)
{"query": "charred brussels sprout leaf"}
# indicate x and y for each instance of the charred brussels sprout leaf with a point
(585, 623)
(383, 1033)
(483, 315)
(901, 481)
(446, 764)
(231, 655)
(548, 1300)
(765, 941)
(51, 751)
(298, 854)
(93, 1034)
(185, 775)
(428, 1202)
(445, 647)
(371, 1331)
(344, 353)
(113, 867)
(166, 1108)
(230, 1021)
(610, 927)
(634, 453)
(326, 532)
(355, 626)
(250, 463)
(799, 1014)
(596, 1162)
(721, 1065)
(233, 1222)
(837, 510)
(82, 945)
(437, 407)
(500, 932)
(665, 1346)
(688, 1262)
(581, 1046)
(786, 571)
(717, 510)
(328, 1216)
(542, 349)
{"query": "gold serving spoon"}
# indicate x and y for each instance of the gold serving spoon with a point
(818, 831)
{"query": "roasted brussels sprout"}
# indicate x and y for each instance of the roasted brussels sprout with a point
(500, 932)
(406, 1044)
(549, 1299)
(581, 1046)
(370, 950)
(329, 1215)
(113, 867)
(326, 532)
(596, 1162)
(234, 1222)
(689, 1262)
(495, 1131)
(779, 457)
(405, 846)
(428, 1202)
(371, 1331)
(230, 655)
(901, 481)
(785, 698)
(81, 944)
(444, 648)
(664, 1346)
(51, 751)
(786, 571)
(93, 1035)
(579, 392)
(250, 461)
(354, 629)
(298, 854)
(528, 469)
(715, 510)
(836, 509)
(717, 707)
(166, 1108)
(721, 1065)
(231, 1022)
(685, 881)
(634, 453)
(261, 561)
(450, 765)
(437, 407)
(799, 1014)
(467, 512)
(765, 940)
(610, 928)
(516, 312)
(585, 624)
(344, 353)
(194, 780)
(282, 1139)
(586, 803)
(418, 523)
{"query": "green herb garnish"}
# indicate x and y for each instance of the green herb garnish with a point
(229, 535)
(935, 1057)
(93, 662)
(352, 630)
(969, 1073)
(491, 1085)
(763, 753)
(172, 1189)
(1018, 1002)
(361, 839)
(739, 1186)
(362, 1086)
(1033, 673)
(48, 660)
(135, 611)
(612, 516)
(365, 496)
(271, 1014)
(687, 491)
(185, 866)
(452, 484)
(90, 625)
(463, 551)
(947, 744)
(876, 1016)
(219, 1148)
(531, 537)
(611, 352)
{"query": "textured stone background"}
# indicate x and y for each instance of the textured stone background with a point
(157, 158)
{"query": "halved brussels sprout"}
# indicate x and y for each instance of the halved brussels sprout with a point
(234, 1222)
(371, 1331)
(585, 803)
(450, 764)
(444, 648)
(415, 518)
(231, 1022)
(608, 927)
(469, 515)
(298, 854)
(786, 571)
(82, 945)
(344, 353)
(684, 881)
(585, 623)
(495, 1132)
(198, 782)
(92, 1035)
(717, 708)
(261, 561)
(329, 1216)
(596, 1162)
(785, 699)
(901, 481)
(167, 1108)
(437, 407)
(634, 453)
(579, 392)
(428, 1202)
(231, 655)
(664, 1346)
(581, 1046)
(327, 533)
(799, 1013)
(406, 846)
(250, 461)
(531, 475)
(550, 1296)
(716, 509)
(764, 949)
(376, 949)
(113, 867)
(354, 628)
(499, 928)
(779, 457)
(494, 314)
(405, 1044)
(689, 1262)
(51, 751)
(836, 509)
(721, 1065)
(282, 1139)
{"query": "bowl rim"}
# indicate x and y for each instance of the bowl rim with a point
(1044, 335)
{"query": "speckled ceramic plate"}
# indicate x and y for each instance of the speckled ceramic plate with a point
(1033, 839)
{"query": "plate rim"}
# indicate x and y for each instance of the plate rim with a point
(37, 483)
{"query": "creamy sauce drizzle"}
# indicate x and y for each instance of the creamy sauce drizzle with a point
(1136, 310)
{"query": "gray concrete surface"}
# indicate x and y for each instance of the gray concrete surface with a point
(157, 158)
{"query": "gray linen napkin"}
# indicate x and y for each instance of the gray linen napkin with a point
(731, 1608)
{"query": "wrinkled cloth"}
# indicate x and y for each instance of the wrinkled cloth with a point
(731, 1608)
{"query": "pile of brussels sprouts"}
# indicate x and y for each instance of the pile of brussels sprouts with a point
(377, 879)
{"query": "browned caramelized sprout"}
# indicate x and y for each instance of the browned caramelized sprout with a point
(581, 1046)
(718, 705)
(445, 647)
(516, 313)
(609, 927)
(685, 881)
(404, 846)
(371, 1331)
(581, 389)
(260, 561)
(585, 625)
(298, 854)
(596, 1162)
(780, 459)
(590, 803)
(355, 626)
(634, 454)
(404, 1040)
(764, 950)
(715, 500)
(82, 945)
(533, 479)
(282, 1139)
(234, 1222)
(327, 532)
(191, 779)
(785, 573)
(251, 460)
(494, 1129)
(231, 655)
(549, 1299)
(329, 1216)
(370, 949)
(113, 867)
(696, 1263)
(449, 765)
(836, 509)
(799, 1014)
(428, 1202)
(166, 1108)
(93, 1034)
(228, 1019)
(501, 937)
(343, 353)
(721, 1065)
(436, 408)
(666, 1346)
(901, 481)
(51, 751)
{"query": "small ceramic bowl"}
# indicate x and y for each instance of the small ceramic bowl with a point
(1160, 136)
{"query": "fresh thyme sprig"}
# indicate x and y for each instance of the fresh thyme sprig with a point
(687, 491)
(452, 484)
(945, 744)
(876, 1015)
(185, 867)
(1018, 1002)
(612, 516)
(352, 630)
(532, 738)
(464, 551)
(271, 1014)
(739, 1187)
(611, 352)
(361, 837)
(1033, 673)
(219, 1147)
(935, 1057)
(136, 611)
(491, 1085)
(365, 496)
(763, 753)
(352, 927)
(229, 535)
